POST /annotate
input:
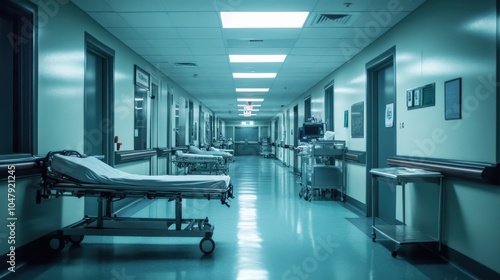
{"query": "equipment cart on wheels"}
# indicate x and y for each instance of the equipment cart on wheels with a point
(265, 147)
(323, 170)
(404, 234)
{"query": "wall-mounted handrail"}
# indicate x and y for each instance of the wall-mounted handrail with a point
(488, 173)
(133, 155)
(25, 164)
(163, 151)
(355, 156)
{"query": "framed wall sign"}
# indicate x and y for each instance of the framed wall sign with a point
(453, 99)
(141, 78)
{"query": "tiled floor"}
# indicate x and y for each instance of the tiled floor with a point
(267, 233)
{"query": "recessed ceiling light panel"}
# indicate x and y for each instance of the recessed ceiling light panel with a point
(263, 19)
(256, 58)
(252, 89)
(255, 75)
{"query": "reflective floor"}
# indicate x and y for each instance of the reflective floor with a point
(267, 233)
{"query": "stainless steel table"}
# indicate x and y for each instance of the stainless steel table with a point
(404, 234)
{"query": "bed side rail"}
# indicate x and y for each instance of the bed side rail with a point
(46, 169)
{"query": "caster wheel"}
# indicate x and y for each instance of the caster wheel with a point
(301, 193)
(57, 243)
(394, 254)
(374, 237)
(75, 239)
(342, 198)
(309, 196)
(207, 245)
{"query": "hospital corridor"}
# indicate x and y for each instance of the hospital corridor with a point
(249, 139)
(267, 233)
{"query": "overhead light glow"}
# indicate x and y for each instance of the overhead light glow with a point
(244, 105)
(254, 58)
(243, 110)
(245, 123)
(250, 100)
(255, 75)
(252, 89)
(263, 19)
(249, 115)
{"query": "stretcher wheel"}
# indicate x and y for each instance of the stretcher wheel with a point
(75, 239)
(57, 243)
(373, 237)
(394, 253)
(207, 245)
(301, 193)
(308, 196)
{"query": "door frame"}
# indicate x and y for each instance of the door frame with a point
(386, 58)
(95, 46)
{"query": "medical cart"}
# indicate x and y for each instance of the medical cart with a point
(323, 169)
(265, 147)
(404, 234)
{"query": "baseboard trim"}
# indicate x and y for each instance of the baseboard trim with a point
(453, 257)
(467, 264)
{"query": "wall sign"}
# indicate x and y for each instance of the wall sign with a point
(453, 99)
(141, 78)
(389, 115)
(421, 97)
(358, 120)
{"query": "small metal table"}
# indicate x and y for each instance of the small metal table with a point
(404, 234)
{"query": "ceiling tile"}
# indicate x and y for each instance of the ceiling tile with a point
(167, 43)
(153, 19)
(158, 33)
(123, 33)
(195, 19)
(189, 6)
(93, 5)
(207, 43)
(199, 33)
(134, 5)
(199, 51)
(109, 19)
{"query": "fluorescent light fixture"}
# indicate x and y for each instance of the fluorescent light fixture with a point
(252, 89)
(243, 110)
(250, 115)
(249, 58)
(255, 75)
(250, 100)
(139, 99)
(253, 105)
(263, 19)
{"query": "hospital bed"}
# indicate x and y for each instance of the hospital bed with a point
(230, 151)
(200, 164)
(68, 173)
(227, 156)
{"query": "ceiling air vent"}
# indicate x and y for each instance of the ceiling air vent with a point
(329, 20)
(184, 64)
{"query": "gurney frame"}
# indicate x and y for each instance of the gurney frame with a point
(201, 164)
(56, 185)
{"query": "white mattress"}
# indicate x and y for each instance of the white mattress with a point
(93, 171)
(194, 150)
(197, 157)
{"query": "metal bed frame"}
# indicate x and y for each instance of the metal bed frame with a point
(54, 184)
(200, 164)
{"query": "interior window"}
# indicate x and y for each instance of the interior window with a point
(16, 99)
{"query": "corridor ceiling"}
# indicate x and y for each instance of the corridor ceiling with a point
(185, 40)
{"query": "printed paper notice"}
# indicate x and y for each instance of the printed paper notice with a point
(389, 115)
